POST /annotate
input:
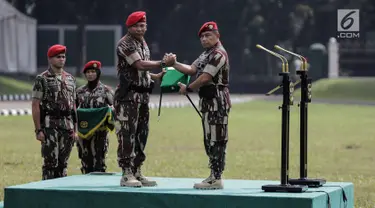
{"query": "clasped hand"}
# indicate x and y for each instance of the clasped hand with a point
(170, 59)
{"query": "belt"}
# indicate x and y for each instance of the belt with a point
(214, 87)
(221, 87)
(210, 91)
(58, 113)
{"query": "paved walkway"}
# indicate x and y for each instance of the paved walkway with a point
(154, 100)
(168, 101)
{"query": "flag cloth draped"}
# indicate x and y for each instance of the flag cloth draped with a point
(169, 83)
(171, 78)
(93, 119)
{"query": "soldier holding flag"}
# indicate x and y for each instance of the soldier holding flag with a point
(94, 101)
(212, 70)
(132, 97)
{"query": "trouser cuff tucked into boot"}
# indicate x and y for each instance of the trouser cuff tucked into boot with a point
(128, 179)
(217, 168)
(212, 182)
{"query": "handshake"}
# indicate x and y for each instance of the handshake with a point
(170, 59)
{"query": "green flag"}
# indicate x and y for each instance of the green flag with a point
(171, 78)
(169, 83)
(92, 119)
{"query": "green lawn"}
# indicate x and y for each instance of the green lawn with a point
(341, 146)
(352, 88)
(13, 86)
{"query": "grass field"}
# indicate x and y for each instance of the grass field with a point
(341, 146)
(13, 86)
(350, 88)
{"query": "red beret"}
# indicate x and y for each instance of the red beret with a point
(56, 50)
(208, 26)
(135, 17)
(92, 65)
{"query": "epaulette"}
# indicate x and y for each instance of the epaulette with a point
(44, 73)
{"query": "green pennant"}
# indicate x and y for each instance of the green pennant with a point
(92, 119)
(171, 78)
(170, 82)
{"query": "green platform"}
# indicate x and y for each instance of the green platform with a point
(94, 191)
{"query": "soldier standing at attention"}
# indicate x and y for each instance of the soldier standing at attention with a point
(212, 70)
(54, 113)
(93, 151)
(132, 99)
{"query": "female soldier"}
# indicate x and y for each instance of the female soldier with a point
(94, 95)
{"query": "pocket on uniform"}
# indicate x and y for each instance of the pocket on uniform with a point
(217, 117)
(126, 111)
(53, 88)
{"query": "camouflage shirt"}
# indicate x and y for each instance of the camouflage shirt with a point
(215, 62)
(57, 94)
(101, 96)
(130, 50)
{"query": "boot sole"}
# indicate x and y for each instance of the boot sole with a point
(137, 185)
(132, 186)
(208, 188)
(147, 185)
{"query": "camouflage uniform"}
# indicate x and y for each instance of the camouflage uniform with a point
(132, 111)
(57, 95)
(215, 105)
(93, 151)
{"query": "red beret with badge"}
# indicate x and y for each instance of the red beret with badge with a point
(56, 50)
(135, 17)
(92, 65)
(208, 26)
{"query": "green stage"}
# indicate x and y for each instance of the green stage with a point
(96, 191)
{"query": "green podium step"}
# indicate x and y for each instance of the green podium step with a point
(94, 191)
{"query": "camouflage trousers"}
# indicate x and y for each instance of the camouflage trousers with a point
(132, 127)
(93, 152)
(215, 128)
(56, 151)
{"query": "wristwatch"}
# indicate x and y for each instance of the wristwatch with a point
(188, 89)
(37, 131)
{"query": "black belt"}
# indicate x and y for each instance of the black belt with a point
(221, 87)
(209, 91)
(140, 89)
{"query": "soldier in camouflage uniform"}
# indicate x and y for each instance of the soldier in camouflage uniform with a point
(54, 114)
(93, 151)
(132, 98)
(212, 70)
